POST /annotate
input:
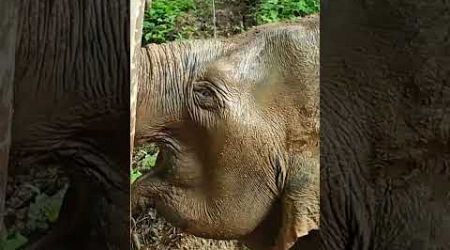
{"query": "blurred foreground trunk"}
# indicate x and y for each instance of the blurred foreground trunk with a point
(8, 23)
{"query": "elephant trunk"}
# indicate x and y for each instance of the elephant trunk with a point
(8, 19)
(143, 190)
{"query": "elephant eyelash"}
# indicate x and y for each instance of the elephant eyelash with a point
(205, 92)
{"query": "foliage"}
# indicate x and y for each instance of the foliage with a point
(169, 20)
(277, 10)
(13, 241)
(144, 159)
(161, 19)
(45, 210)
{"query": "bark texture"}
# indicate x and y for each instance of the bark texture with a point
(136, 20)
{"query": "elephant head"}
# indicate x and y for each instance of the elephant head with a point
(237, 123)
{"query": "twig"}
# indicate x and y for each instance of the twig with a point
(137, 242)
(148, 5)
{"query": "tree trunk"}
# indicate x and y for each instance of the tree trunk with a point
(136, 20)
(8, 23)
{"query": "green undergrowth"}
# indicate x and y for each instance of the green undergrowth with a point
(144, 160)
(12, 241)
(41, 213)
(45, 210)
(278, 10)
(170, 20)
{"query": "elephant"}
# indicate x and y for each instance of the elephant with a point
(71, 106)
(237, 125)
(384, 125)
(7, 45)
(383, 128)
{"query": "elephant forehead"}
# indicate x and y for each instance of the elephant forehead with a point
(242, 59)
(243, 74)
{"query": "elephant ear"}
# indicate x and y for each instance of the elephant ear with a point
(299, 203)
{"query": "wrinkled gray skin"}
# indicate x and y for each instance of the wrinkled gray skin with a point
(71, 106)
(237, 123)
(8, 23)
(385, 125)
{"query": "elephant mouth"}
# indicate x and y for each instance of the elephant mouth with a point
(178, 144)
(151, 182)
(163, 158)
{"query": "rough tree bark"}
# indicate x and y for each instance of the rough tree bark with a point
(136, 19)
(137, 9)
(8, 23)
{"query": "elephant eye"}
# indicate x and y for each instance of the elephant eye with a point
(205, 96)
(204, 92)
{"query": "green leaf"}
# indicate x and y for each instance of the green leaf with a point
(45, 209)
(148, 36)
(134, 175)
(13, 241)
(149, 161)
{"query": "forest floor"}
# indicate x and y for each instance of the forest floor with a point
(152, 232)
(34, 196)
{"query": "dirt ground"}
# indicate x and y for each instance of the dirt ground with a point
(152, 232)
